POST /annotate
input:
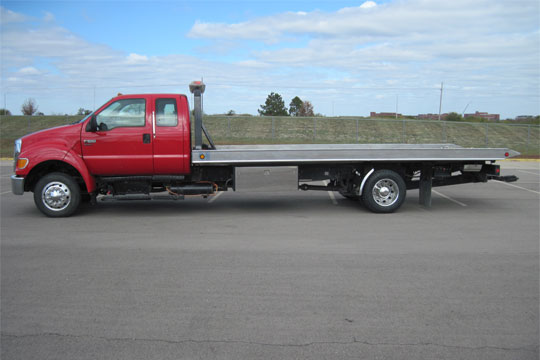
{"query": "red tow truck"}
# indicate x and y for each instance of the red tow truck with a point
(138, 147)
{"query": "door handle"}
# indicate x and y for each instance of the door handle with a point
(146, 138)
(89, 142)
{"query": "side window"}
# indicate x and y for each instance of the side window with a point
(123, 113)
(166, 112)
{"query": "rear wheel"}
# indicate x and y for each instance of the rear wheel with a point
(57, 195)
(384, 191)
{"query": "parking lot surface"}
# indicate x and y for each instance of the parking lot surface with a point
(291, 275)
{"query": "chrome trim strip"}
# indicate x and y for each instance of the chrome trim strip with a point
(154, 123)
(364, 181)
(232, 162)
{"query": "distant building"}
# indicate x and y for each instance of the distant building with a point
(431, 116)
(484, 115)
(524, 117)
(383, 115)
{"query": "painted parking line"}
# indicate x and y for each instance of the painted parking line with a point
(214, 198)
(519, 187)
(449, 198)
(332, 197)
(331, 194)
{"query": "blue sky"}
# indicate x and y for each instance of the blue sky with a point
(346, 57)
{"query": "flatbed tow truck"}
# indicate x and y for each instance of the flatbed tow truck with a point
(139, 147)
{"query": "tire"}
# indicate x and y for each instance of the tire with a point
(57, 195)
(384, 191)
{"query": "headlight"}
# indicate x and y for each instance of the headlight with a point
(16, 152)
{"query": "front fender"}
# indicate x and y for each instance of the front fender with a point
(38, 155)
(77, 162)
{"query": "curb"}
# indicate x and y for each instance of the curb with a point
(521, 160)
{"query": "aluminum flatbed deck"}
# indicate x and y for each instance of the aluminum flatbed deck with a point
(344, 153)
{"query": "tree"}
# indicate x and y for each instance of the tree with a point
(274, 106)
(306, 109)
(5, 112)
(83, 111)
(29, 107)
(231, 113)
(295, 106)
(453, 116)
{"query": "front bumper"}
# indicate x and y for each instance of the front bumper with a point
(17, 185)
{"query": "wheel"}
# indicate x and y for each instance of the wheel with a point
(384, 191)
(57, 195)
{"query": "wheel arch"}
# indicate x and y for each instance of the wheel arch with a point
(50, 166)
(368, 168)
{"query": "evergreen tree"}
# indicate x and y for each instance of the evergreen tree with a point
(274, 106)
(295, 106)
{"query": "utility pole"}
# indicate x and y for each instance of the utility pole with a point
(397, 100)
(440, 102)
(463, 113)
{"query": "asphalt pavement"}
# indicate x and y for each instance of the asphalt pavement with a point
(289, 275)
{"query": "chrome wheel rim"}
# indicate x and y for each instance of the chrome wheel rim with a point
(385, 192)
(56, 196)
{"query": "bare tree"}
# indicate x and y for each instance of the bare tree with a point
(306, 109)
(29, 107)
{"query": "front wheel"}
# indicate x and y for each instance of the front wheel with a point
(57, 195)
(384, 191)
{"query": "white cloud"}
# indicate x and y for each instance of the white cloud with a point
(348, 58)
(8, 16)
(29, 70)
(368, 5)
(136, 59)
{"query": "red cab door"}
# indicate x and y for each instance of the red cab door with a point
(170, 153)
(122, 145)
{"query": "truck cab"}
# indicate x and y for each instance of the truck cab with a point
(140, 136)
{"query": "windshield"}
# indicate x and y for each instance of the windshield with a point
(84, 118)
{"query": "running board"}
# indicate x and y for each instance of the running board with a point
(139, 197)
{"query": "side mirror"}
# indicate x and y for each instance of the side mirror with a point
(92, 124)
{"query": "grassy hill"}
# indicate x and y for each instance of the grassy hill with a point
(268, 130)
(253, 130)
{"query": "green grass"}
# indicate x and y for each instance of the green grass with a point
(13, 127)
(253, 130)
(287, 130)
